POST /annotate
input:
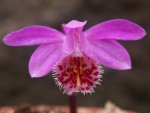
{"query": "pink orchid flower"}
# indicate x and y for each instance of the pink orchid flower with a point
(75, 56)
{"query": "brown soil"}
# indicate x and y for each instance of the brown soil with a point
(109, 108)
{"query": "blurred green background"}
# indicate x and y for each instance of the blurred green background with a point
(128, 89)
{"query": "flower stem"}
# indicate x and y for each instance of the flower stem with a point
(73, 103)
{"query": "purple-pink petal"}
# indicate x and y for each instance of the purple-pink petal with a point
(74, 24)
(73, 31)
(69, 43)
(111, 54)
(85, 45)
(116, 29)
(44, 58)
(33, 35)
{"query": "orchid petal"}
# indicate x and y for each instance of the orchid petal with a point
(85, 45)
(44, 58)
(116, 29)
(74, 24)
(73, 32)
(33, 35)
(111, 54)
(69, 43)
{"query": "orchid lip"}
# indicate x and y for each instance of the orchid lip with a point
(77, 74)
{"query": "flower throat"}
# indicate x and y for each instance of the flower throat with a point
(77, 74)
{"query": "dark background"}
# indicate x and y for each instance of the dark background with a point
(128, 89)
